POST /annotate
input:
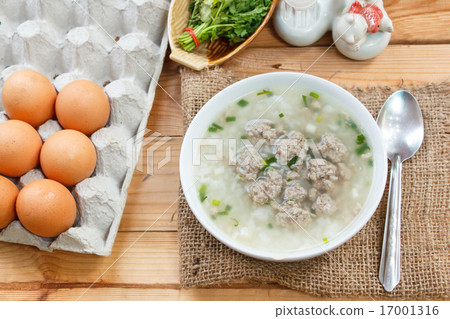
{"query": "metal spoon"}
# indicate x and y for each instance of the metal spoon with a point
(401, 124)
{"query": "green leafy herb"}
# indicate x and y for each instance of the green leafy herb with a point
(269, 93)
(351, 124)
(325, 240)
(362, 149)
(289, 180)
(292, 161)
(270, 226)
(222, 213)
(234, 20)
(214, 127)
(228, 208)
(360, 139)
(371, 162)
(267, 162)
(243, 137)
(242, 103)
(213, 217)
(230, 118)
(319, 119)
(270, 160)
(305, 100)
(314, 95)
(202, 193)
(215, 202)
(281, 115)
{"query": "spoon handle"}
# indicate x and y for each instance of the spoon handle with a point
(390, 255)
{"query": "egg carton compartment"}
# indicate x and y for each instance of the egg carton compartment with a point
(118, 44)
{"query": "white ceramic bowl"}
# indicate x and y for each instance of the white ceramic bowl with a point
(217, 105)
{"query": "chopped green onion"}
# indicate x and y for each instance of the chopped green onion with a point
(202, 193)
(222, 213)
(214, 127)
(281, 115)
(325, 240)
(228, 208)
(242, 103)
(352, 125)
(265, 168)
(270, 226)
(236, 222)
(230, 118)
(267, 163)
(305, 101)
(319, 119)
(243, 137)
(292, 161)
(371, 162)
(314, 95)
(269, 93)
(213, 217)
(289, 180)
(360, 150)
(271, 160)
(215, 202)
(360, 139)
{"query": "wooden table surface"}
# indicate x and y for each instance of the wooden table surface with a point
(144, 264)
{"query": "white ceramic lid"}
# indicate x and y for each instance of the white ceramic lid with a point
(301, 4)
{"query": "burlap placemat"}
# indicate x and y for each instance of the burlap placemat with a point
(352, 269)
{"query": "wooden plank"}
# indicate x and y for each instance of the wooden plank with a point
(166, 116)
(157, 294)
(151, 196)
(415, 22)
(152, 259)
(396, 64)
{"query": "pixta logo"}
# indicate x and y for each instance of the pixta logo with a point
(148, 151)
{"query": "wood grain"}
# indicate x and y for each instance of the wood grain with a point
(151, 259)
(415, 22)
(149, 197)
(164, 294)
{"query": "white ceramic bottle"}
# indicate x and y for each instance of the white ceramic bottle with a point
(303, 22)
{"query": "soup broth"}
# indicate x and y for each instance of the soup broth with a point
(283, 169)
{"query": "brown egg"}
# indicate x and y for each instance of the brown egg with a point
(46, 208)
(8, 196)
(20, 145)
(83, 106)
(68, 157)
(29, 96)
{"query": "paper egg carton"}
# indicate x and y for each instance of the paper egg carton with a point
(118, 44)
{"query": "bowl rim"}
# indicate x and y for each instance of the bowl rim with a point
(217, 104)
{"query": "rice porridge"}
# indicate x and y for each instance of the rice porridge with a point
(283, 169)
